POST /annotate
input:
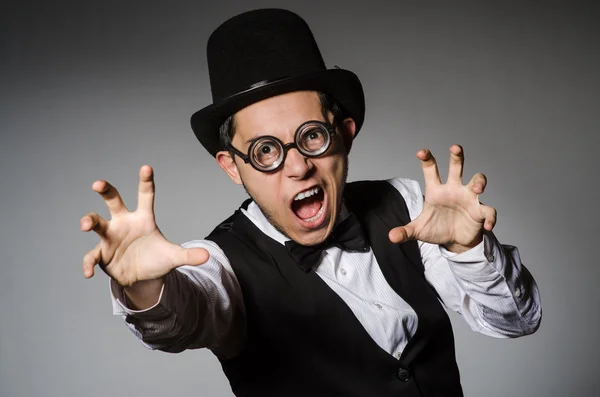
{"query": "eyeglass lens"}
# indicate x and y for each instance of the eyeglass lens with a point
(312, 139)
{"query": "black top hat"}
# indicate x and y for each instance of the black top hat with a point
(263, 53)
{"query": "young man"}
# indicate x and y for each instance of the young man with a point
(314, 286)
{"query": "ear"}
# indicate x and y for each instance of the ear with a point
(348, 132)
(227, 164)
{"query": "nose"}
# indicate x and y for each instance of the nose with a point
(296, 165)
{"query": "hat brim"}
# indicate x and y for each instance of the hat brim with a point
(342, 84)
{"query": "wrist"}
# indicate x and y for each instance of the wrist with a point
(458, 248)
(143, 294)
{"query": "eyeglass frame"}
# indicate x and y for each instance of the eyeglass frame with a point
(285, 147)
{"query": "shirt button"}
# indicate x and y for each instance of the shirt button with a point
(403, 374)
(343, 271)
(377, 305)
(490, 257)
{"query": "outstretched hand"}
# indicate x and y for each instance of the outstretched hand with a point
(131, 247)
(452, 214)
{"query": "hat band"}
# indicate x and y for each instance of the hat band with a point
(254, 86)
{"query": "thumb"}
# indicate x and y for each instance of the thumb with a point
(191, 256)
(401, 234)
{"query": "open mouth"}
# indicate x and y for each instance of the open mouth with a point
(309, 207)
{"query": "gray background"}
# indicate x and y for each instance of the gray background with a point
(93, 90)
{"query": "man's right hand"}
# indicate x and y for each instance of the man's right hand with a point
(132, 250)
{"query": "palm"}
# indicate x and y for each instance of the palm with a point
(131, 247)
(452, 214)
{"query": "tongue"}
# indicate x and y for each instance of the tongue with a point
(308, 207)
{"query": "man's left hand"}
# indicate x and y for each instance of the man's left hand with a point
(452, 214)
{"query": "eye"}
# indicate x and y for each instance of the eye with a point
(266, 149)
(314, 135)
(266, 152)
(313, 139)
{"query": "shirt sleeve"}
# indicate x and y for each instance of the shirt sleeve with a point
(199, 306)
(488, 284)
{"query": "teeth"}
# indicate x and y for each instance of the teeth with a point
(308, 193)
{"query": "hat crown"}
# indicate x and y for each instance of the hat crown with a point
(257, 47)
(264, 53)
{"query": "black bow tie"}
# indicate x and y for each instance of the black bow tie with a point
(348, 236)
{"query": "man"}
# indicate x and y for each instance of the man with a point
(314, 286)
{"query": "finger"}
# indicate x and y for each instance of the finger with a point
(457, 160)
(146, 189)
(429, 165)
(401, 234)
(191, 256)
(90, 260)
(95, 222)
(478, 183)
(111, 197)
(490, 214)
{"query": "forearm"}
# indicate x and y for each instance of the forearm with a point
(197, 306)
(490, 287)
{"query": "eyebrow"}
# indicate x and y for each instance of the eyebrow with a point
(254, 138)
(250, 140)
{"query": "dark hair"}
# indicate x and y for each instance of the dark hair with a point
(328, 105)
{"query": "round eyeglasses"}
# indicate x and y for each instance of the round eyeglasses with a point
(267, 153)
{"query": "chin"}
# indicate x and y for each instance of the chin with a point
(313, 237)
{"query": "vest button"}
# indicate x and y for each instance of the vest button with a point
(403, 374)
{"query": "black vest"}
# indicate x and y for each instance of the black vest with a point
(303, 340)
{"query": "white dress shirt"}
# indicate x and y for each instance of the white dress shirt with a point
(202, 306)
